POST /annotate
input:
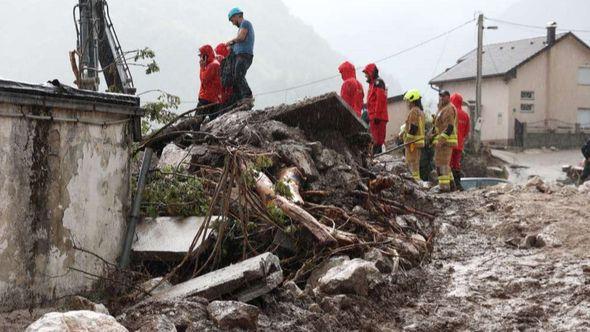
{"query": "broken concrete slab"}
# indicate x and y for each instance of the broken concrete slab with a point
(167, 238)
(248, 280)
(233, 314)
(88, 321)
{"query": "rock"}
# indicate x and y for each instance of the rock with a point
(180, 312)
(314, 307)
(447, 229)
(553, 148)
(418, 237)
(293, 290)
(538, 183)
(76, 303)
(584, 188)
(233, 314)
(298, 155)
(173, 156)
(383, 263)
(84, 320)
(491, 207)
(355, 276)
(159, 323)
(312, 281)
(532, 241)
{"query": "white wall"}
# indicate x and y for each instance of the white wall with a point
(63, 184)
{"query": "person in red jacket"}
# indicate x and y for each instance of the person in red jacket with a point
(463, 127)
(352, 90)
(210, 76)
(377, 107)
(226, 71)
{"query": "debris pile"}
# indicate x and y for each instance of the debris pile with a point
(296, 181)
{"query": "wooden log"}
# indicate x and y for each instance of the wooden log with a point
(298, 214)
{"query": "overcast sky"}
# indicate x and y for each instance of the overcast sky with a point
(367, 30)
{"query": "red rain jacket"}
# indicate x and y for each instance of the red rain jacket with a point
(210, 77)
(377, 97)
(222, 52)
(463, 122)
(352, 90)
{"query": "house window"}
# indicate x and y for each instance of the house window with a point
(527, 95)
(527, 108)
(584, 117)
(584, 75)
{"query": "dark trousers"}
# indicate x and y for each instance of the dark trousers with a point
(426, 165)
(241, 87)
(210, 111)
(585, 172)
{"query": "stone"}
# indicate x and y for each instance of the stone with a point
(150, 284)
(76, 303)
(383, 263)
(336, 303)
(293, 290)
(167, 238)
(532, 241)
(538, 183)
(299, 155)
(314, 307)
(355, 276)
(173, 156)
(553, 148)
(83, 320)
(584, 188)
(233, 314)
(248, 280)
(159, 323)
(312, 281)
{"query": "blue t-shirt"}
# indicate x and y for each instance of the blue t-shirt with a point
(247, 46)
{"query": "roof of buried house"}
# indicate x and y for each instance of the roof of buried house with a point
(55, 94)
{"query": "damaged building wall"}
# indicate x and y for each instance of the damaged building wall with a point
(64, 185)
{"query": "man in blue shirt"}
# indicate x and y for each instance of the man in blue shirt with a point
(243, 48)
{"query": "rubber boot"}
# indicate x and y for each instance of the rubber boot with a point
(457, 179)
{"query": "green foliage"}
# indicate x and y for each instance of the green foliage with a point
(276, 214)
(170, 194)
(249, 177)
(159, 111)
(263, 162)
(283, 189)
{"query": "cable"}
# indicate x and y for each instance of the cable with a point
(533, 26)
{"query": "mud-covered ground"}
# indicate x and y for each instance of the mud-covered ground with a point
(483, 275)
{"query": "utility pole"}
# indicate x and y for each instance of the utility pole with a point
(478, 79)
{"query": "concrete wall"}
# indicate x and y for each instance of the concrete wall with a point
(398, 112)
(63, 184)
(495, 95)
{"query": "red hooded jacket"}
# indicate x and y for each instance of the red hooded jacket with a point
(222, 52)
(352, 90)
(377, 97)
(210, 77)
(463, 122)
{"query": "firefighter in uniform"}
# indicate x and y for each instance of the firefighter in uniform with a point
(445, 139)
(413, 132)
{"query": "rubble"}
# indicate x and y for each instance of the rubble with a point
(354, 276)
(174, 157)
(233, 314)
(180, 312)
(248, 279)
(167, 238)
(89, 321)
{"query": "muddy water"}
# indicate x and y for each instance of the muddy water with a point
(477, 282)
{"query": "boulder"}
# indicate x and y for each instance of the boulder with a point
(84, 320)
(233, 314)
(355, 276)
(383, 263)
(173, 156)
(299, 155)
(312, 281)
(293, 290)
(76, 303)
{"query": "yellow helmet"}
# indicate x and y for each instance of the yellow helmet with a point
(412, 95)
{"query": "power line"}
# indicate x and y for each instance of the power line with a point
(533, 26)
